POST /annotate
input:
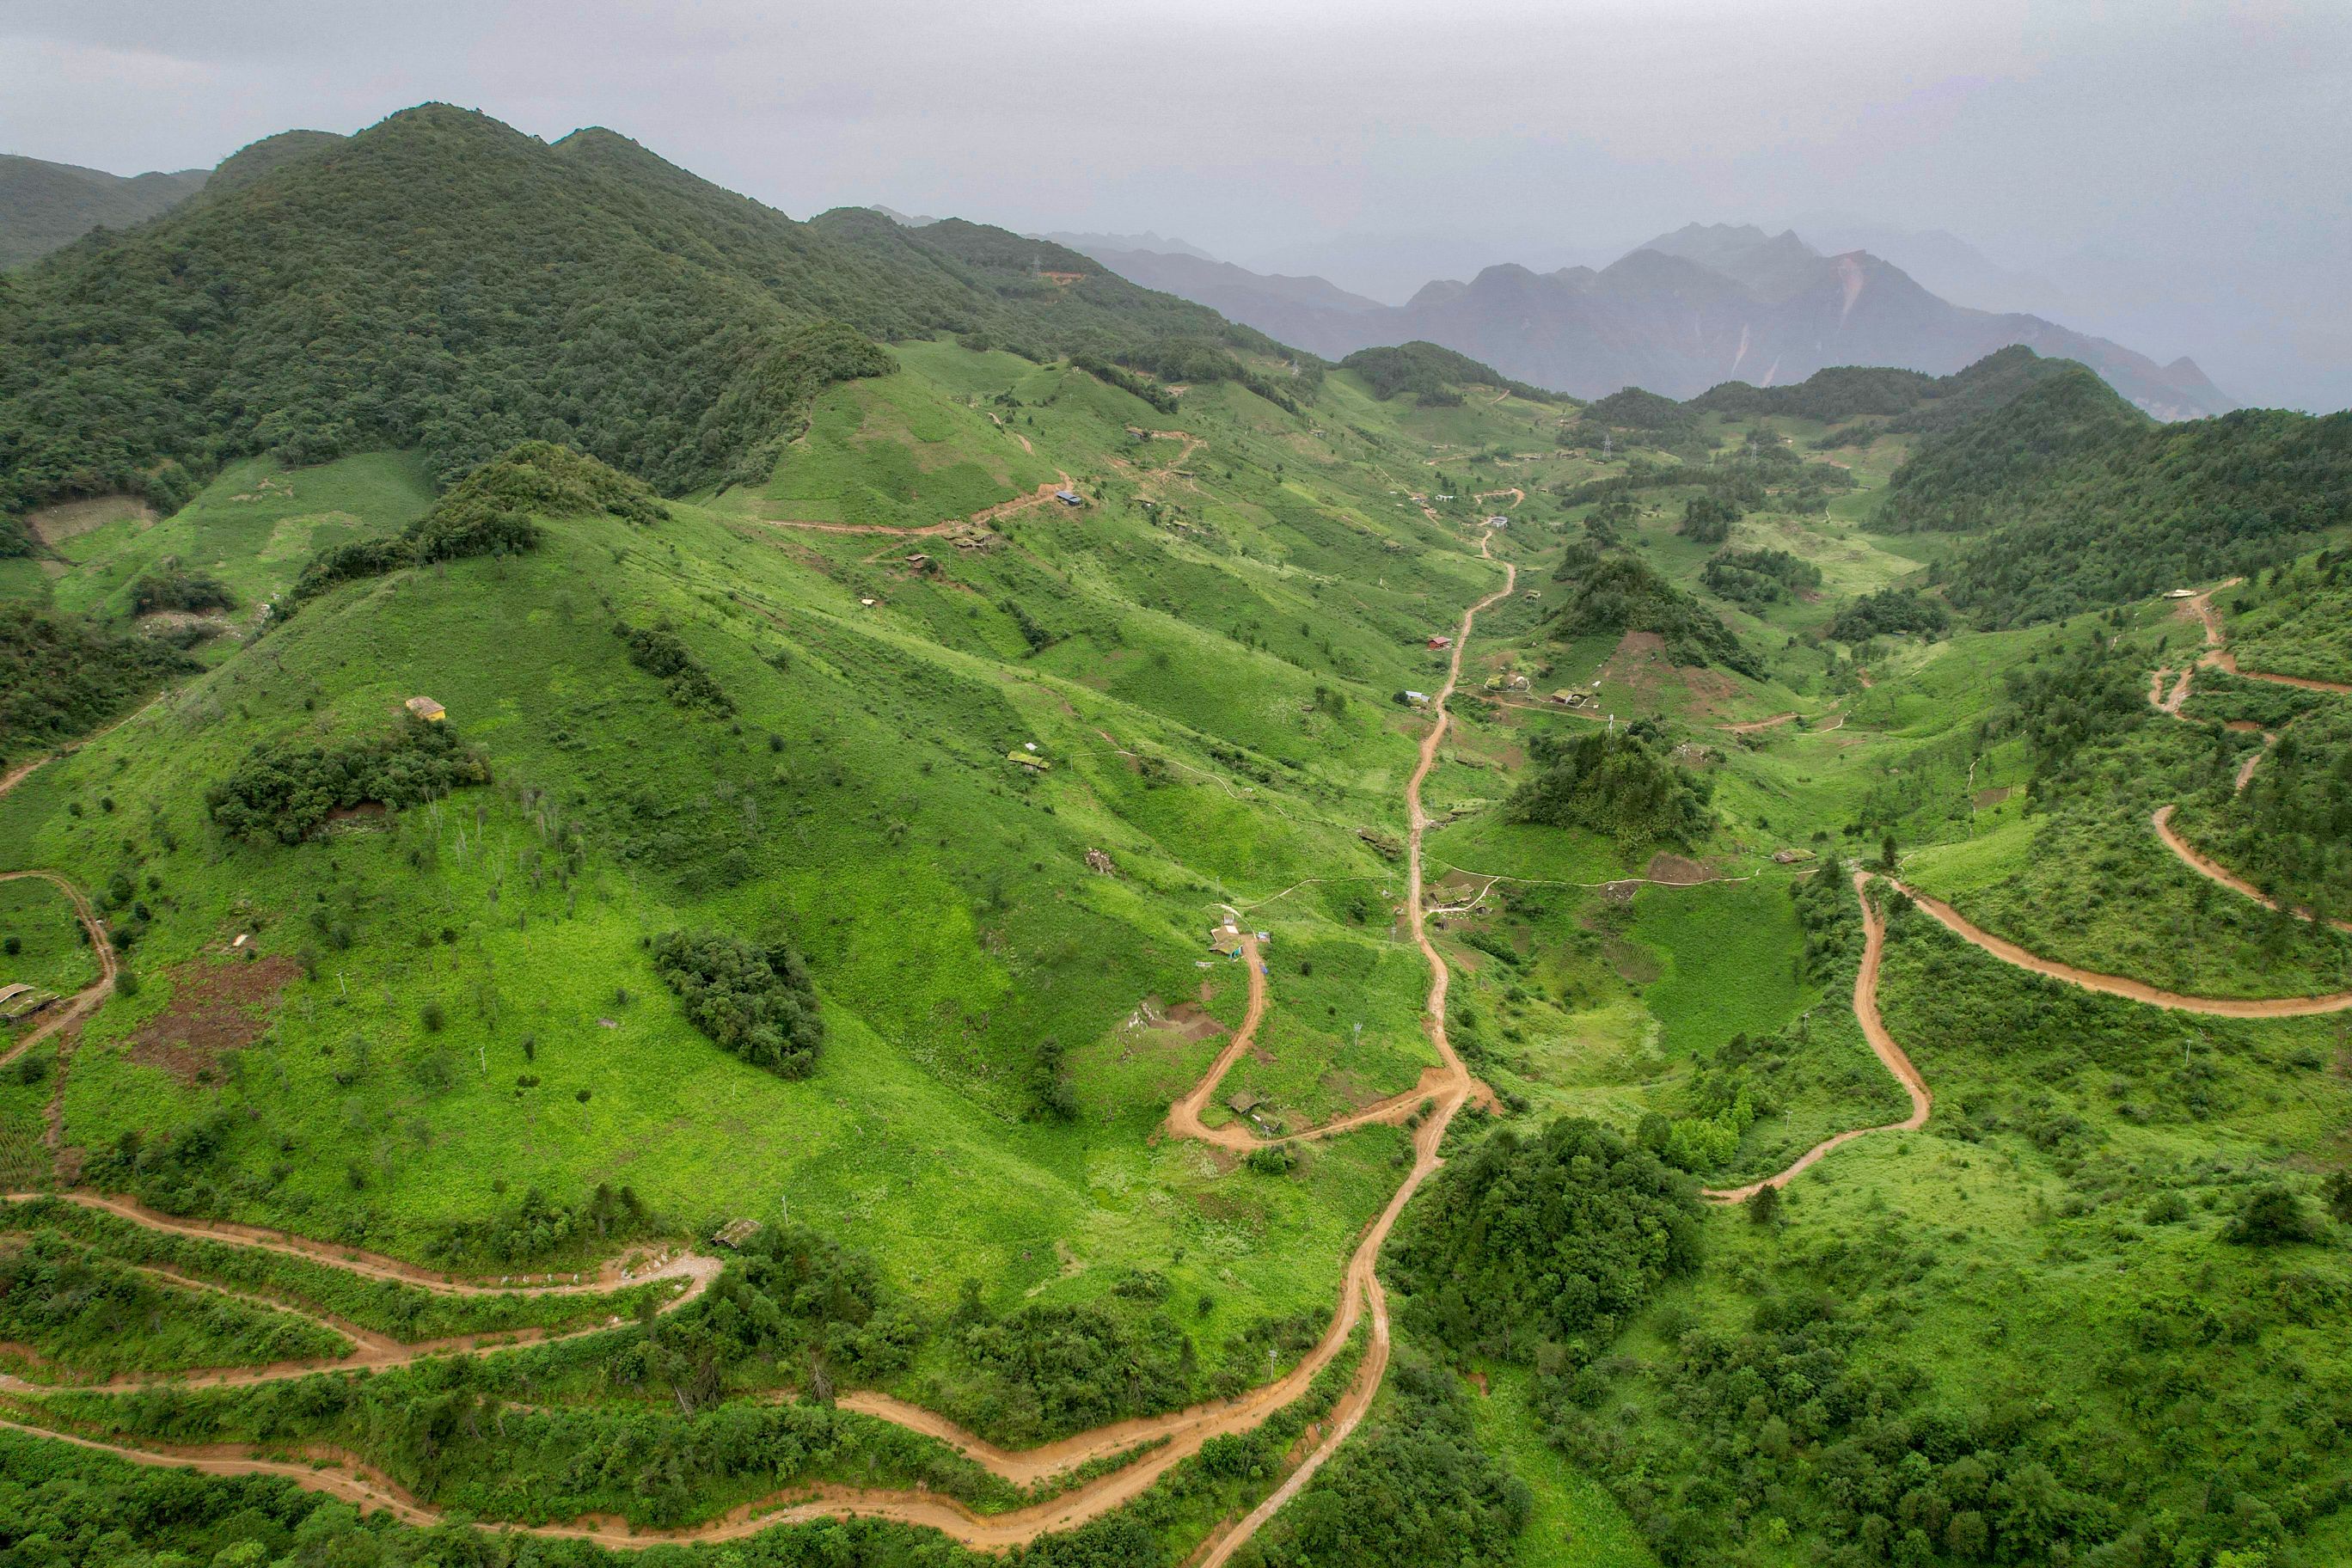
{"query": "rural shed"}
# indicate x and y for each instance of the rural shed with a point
(736, 1232)
(424, 708)
(1440, 642)
(1067, 498)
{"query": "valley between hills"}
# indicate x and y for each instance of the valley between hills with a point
(693, 887)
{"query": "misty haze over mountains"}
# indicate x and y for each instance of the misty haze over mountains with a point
(1686, 310)
(1677, 313)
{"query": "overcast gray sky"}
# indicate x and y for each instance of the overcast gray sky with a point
(2180, 170)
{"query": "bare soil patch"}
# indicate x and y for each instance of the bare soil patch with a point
(1192, 1021)
(1995, 796)
(1677, 871)
(215, 1007)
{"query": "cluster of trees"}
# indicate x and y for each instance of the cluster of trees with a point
(1615, 592)
(2083, 501)
(2290, 829)
(757, 1002)
(1891, 612)
(287, 790)
(539, 1227)
(1541, 1249)
(1783, 1420)
(63, 675)
(1411, 1489)
(1838, 393)
(1192, 361)
(1612, 782)
(1127, 381)
(1707, 518)
(492, 511)
(1757, 576)
(2066, 697)
(1633, 408)
(168, 586)
(661, 653)
(1433, 376)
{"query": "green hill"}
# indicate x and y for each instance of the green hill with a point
(729, 747)
(444, 283)
(2082, 502)
(45, 206)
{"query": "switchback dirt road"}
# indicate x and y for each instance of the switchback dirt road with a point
(1177, 1435)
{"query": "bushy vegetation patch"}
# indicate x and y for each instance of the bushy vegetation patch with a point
(2289, 831)
(172, 586)
(1615, 592)
(94, 1318)
(492, 511)
(1543, 1247)
(1890, 612)
(1432, 374)
(1757, 576)
(63, 675)
(757, 1003)
(2295, 620)
(1410, 1489)
(1611, 783)
(286, 791)
(661, 653)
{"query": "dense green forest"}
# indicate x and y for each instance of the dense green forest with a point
(62, 676)
(1612, 784)
(1433, 376)
(443, 282)
(2079, 500)
(1615, 592)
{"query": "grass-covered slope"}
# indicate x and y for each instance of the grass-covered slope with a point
(696, 718)
(444, 283)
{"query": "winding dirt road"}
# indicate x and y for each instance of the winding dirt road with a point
(1865, 984)
(1874, 1028)
(81, 1004)
(1177, 1435)
(2206, 866)
(986, 514)
(2217, 656)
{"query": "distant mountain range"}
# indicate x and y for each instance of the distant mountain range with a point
(1706, 305)
(46, 206)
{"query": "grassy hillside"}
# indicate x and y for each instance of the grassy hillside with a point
(444, 283)
(815, 819)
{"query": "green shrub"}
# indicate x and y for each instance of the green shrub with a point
(286, 791)
(1612, 784)
(756, 1002)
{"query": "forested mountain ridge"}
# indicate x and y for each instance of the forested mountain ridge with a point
(46, 206)
(442, 282)
(2077, 500)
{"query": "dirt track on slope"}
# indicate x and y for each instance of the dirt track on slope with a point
(1874, 1028)
(2010, 953)
(82, 1002)
(1753, 725)
(2217, 656)
(986, 514)
(1185, 1431)
(2205, 865)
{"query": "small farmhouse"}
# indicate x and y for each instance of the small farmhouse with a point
(424, 708)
